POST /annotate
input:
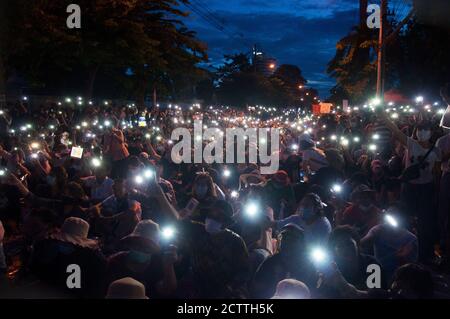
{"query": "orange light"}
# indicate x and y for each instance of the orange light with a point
(272, 66)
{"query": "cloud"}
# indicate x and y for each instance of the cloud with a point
(303, 33)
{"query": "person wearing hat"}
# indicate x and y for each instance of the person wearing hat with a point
(140, 256)
(70, 246)
(126, 288)
(291, 289)
(362, 213)
(291, 261)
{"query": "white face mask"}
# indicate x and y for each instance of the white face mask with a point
(212, 226)
(423, 135)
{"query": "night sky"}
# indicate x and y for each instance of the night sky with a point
(300, 32)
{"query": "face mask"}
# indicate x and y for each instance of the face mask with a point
(51, 180)
(201, 190)
(423, 135)
(212, 226)
(307, 213)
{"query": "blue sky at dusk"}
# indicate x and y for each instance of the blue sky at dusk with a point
(300, 32)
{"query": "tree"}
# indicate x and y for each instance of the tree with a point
(291, 75)
(115, 35)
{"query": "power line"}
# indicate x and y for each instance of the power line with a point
(214, 21)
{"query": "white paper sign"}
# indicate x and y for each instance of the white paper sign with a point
(77, 152)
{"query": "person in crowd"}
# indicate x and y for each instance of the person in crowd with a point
(126, 288)
(280, 194)
(100, 185)
(141, 256)
(71, 246)
(344, 243)
(391, 242)
(310, 217)
(362, 213)
(418, 188)
(291, 261)
(291, 289)
(139, 224)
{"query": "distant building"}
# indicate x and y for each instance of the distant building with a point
(262, 63)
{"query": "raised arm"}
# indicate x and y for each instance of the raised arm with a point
(398, 135)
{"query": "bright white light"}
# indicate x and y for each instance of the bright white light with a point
(96, 162)
(34, 155)
(234, 194)
(356, 139)
(376, 101)
(139, 179)
(226, 173)
(2, 172)
(394, 115)
(319, 256)
(35, 145)
(391, 220)
(294, 147)
(333, 137)
(168, 232)
(25, 98)
(149, 173)
(251, 210)
(68, 99)
(84, 124)
(337, 188)
(372, 147)
(345, 142)
(107, 123)
(376, 136)
(419, 99)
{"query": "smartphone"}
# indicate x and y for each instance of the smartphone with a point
(191, 206)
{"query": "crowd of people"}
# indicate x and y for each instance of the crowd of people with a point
(95, 185)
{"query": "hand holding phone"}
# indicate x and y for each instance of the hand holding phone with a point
(191, 206)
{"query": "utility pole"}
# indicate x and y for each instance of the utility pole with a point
(381, 50)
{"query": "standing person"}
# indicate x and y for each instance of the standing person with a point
(443, 146)
(116, 148)
(418, 192)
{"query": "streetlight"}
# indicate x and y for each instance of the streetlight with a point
(272, 65)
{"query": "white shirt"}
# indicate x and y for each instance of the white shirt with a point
(413, 154)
